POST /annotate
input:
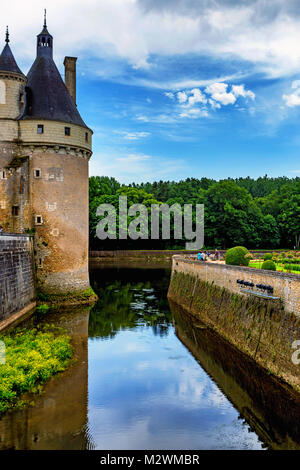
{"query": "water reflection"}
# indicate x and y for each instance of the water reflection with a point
(58, 419)
(146, 391)
(271, 409)
(148, 377)
(126, 306)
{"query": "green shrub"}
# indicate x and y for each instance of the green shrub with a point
(290, 260)
(268, 256)
(292, 267)
(31, 358)
(269, 265)
(236, 256)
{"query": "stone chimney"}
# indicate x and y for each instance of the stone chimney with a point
(70, 75)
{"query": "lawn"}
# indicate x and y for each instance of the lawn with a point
(279, 267)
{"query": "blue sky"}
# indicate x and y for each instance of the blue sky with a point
(178, 88)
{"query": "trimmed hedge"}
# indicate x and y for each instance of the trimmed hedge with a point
(268, 256)
(237, 256)
(269, 265)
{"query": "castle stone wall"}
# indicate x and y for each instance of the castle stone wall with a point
(54, 133)
(11, 102)
(60, 198)
(16, 274)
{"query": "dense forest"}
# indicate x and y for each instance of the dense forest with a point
(256, 213)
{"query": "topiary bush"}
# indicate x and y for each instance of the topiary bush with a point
(269, 265)
(268, 256)
(237, 256)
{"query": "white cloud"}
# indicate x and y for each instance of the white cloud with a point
(239, 90)
(196, 97)
(169, 94)
(214, 104)
(142, 118)
(191, 103)
(133, 157)
(293, 99)
(218, 92)
(194, 113)
(132, 135)
(266, 34)
(182, 96)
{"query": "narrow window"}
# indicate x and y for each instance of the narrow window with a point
(67, 131)
(86, 136)
(38, 220)
(37, 173)
(15, 211)
(2, 92)
(3, 175)
(40, 129)
(40, 262)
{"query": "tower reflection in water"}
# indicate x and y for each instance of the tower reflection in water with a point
(58, 419)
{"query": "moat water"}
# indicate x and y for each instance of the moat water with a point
(148, 376)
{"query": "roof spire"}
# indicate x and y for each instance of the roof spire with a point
(7, 35)
(45, 18)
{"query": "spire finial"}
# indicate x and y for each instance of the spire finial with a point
(7, 35)
(45, 18)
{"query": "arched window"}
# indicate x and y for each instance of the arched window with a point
(2, 92)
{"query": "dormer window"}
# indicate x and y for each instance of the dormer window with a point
(40, 129)
(68, 131)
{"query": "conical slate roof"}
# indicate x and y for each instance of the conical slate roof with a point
(47, 95)
(7, 61)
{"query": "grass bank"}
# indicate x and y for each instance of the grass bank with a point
(29, 357)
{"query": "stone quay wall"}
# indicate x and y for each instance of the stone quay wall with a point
(263, 327)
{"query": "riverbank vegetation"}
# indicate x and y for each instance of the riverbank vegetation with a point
(29, 357)
(261, 213)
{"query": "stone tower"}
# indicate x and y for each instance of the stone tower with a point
(45, 148)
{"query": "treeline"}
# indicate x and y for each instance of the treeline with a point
(257, 213)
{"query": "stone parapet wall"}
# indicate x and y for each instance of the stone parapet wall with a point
(285, 285)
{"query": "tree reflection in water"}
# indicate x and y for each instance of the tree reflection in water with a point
(127, 305)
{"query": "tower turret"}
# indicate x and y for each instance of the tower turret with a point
(59, 146)
(12, 83)
(45, 41)
(14, 192)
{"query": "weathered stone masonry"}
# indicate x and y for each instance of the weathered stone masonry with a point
(263, 329)
(17, 289)
(285, 285)
(45, 147)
